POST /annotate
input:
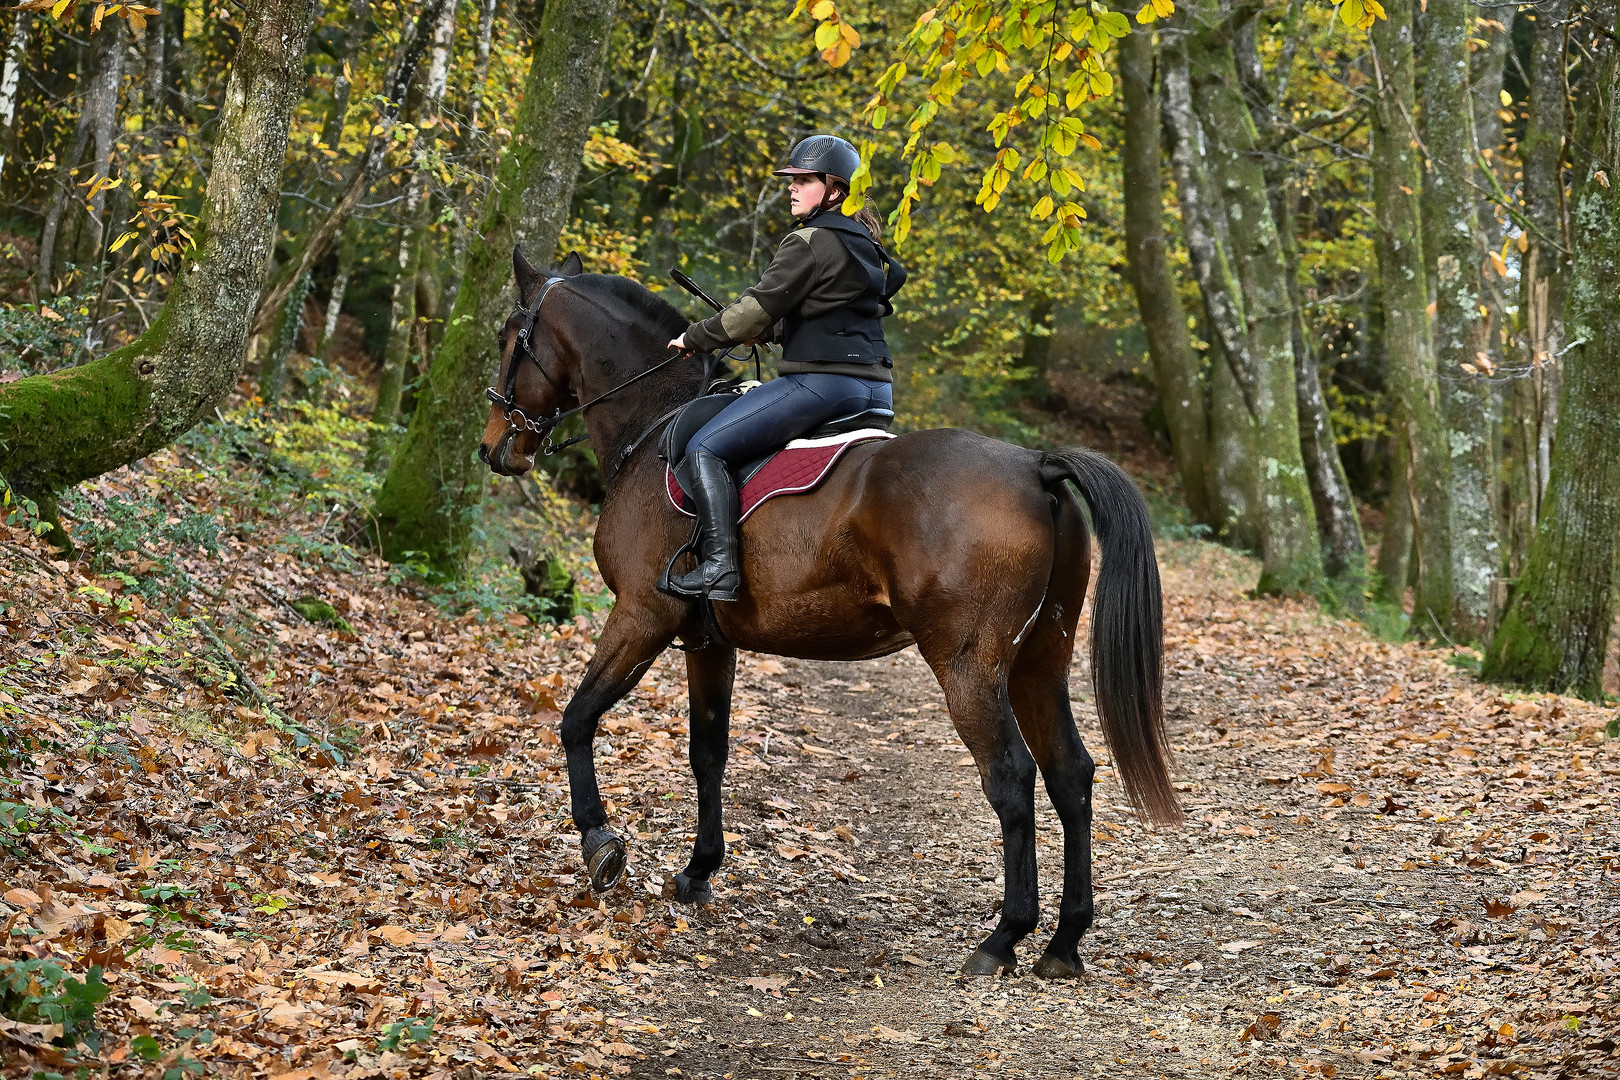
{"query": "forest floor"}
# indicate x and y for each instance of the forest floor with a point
(307, 843)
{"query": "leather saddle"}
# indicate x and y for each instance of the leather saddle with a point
(691, 419)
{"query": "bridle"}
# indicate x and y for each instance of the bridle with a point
(544, 426)
(525, 346)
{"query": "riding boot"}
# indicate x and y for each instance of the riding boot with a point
(717, 575)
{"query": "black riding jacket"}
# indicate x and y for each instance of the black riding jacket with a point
(823, 297)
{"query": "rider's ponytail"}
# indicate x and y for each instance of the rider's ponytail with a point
(865, 215)
(868, 217)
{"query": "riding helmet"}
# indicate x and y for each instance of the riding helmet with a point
(828, 155)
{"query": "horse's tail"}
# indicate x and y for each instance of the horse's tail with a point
(1127, 628)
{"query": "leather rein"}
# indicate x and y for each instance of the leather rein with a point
(544, 426)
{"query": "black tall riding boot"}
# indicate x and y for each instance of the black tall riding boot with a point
(717, 574)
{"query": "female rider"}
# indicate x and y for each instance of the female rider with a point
(823, 298)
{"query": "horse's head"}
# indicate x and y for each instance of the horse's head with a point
(534, 379)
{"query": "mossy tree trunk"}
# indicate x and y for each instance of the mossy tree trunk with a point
(1175, 364)
(1397, 172)
(1543, 273)
(1453, 248)
(425, 506)
(1556, 631)
(1262, 348)
(422, 112)
(71, 425)
(1230, 473)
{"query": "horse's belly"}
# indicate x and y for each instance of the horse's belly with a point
(803, 628)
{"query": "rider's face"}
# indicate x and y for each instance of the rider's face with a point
(805, 193)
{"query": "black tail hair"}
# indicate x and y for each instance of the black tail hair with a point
(1127, 628)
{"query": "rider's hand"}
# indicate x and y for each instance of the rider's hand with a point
(678, 342)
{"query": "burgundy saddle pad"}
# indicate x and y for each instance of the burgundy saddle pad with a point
(795, 469)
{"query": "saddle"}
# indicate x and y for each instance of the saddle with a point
(798, 467)
(690, 420)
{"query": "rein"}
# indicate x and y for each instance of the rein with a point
(546, 425)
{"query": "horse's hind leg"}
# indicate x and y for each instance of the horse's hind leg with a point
(983, 717)
(709, 676)
(1040, 696)
(625, 651)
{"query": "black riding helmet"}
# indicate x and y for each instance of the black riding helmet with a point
(826, 155)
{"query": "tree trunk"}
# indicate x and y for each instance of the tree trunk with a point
(486, 31)
(1556, 632)
(340, 287)
(418, 219)
(1397, 182)
(367, 171)
(1454, 251)
(1036, 354)
(97, 121)
(1290, 553)
(174, 39)
(1175, 364)
(1343, 554)
(71, 425)
(1230, 472)
(425, 506)
(1543, 275)
(15, 56)
(1395, 546)
(354, 32)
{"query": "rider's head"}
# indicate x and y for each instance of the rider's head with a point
(819, 170)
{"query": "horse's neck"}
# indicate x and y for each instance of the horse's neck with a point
(614, 425)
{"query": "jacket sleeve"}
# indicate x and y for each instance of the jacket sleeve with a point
(785, 284)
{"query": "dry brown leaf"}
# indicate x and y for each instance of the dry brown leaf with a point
(397, 936)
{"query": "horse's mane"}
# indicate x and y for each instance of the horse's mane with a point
(637, 297)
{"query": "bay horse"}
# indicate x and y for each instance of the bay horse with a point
(970, 548)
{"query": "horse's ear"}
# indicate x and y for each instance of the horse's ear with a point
(571, 265)
(528, 278)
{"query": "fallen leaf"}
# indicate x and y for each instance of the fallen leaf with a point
(286, 1014)
(1264, 1028)
(788, 851)
(397, 936)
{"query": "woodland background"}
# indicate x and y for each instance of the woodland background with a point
(1337, 284)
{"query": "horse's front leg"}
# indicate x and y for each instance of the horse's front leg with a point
(710, 673)
(625, 651)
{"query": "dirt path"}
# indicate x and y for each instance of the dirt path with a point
(1388, 869)
(1320, 914)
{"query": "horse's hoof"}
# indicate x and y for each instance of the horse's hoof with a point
(1052, 966)
(685, 890)
(605, 858)
(983, 963)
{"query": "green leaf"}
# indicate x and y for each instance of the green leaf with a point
(1115, 23)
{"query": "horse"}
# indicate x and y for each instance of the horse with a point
(972, 549)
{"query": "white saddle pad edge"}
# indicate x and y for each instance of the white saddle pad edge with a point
(842, 437)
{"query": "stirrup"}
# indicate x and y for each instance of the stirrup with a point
(666, 584)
